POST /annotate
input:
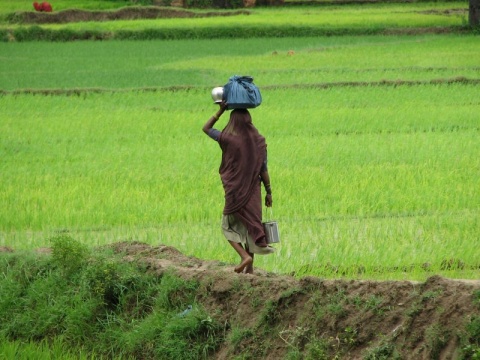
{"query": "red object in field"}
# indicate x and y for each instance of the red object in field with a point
(44, 6)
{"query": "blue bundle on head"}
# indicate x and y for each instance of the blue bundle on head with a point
(241, 93)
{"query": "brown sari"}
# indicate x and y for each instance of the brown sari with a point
(243, 153)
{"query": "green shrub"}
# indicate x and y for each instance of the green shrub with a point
(193, 336)
(175, 292)
(471, 340)
(68, 254)
(473, 329)
(101, 304)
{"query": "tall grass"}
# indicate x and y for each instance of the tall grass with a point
(373, 181)
(100, 306)
(43, 350)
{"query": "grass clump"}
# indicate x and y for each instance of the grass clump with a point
(41, 351)
(471, 349)
(98, 304)
(384, 351)
(68, 254)
(471, 335)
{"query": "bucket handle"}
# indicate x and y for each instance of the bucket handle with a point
(269, 213)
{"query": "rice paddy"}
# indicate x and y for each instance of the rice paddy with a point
(373, 148)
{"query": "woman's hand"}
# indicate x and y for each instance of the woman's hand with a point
(268, 200)
(223, 107)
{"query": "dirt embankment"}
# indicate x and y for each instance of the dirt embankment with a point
(126, 13)
(326, 319)
(272, 316)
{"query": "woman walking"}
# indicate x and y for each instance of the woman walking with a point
(242, 170)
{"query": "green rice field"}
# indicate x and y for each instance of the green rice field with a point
(272, 22)
(373, 148)
(197, 63)
(353, 16)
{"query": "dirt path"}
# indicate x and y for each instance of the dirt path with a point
(345, 318)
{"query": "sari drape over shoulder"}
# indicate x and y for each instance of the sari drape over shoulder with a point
(243, 154)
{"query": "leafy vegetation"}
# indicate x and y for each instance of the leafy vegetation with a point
(104, 307)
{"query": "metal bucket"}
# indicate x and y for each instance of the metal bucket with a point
(271, 232)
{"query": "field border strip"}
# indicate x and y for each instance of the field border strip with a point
(394, 83)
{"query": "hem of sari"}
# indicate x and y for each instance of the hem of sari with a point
(234, 230)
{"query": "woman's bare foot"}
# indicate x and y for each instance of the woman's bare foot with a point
(245, 262)
(249, 269)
